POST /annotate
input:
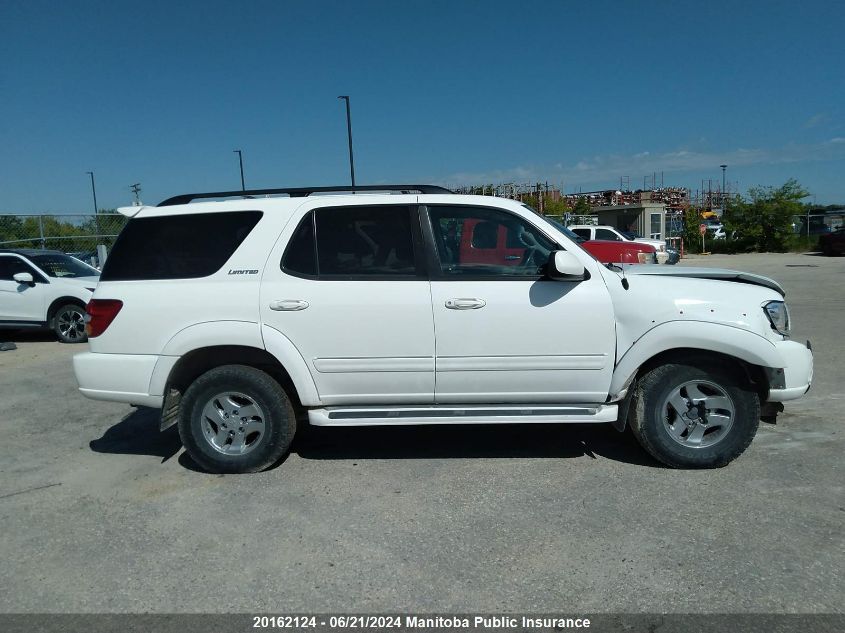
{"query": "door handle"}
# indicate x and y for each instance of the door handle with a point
(288, 305)
(465, 304)
(511, 257)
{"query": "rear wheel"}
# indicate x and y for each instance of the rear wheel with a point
(695, 416)
(69, 324)
(236, 419)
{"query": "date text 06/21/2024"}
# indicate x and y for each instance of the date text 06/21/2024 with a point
(420, 622)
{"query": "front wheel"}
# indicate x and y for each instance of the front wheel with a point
(69, 324)
(236, 419)
(695, 416)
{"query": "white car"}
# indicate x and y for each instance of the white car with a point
(242, 317)
(605, 232)
(45, 289)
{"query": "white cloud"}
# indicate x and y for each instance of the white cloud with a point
(609, 167)
(816, 120)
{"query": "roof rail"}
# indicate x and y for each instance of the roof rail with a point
(300, 192)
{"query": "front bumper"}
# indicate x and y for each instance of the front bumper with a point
(797, 371)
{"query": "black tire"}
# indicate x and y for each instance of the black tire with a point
(69, 323)
(653, 420)
(277, 420)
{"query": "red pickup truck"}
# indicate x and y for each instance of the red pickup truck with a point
(502, 247)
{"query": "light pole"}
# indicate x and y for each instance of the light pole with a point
(94, 194)
(349, 134)
(241, 162)
(724, 199)
(93, 190)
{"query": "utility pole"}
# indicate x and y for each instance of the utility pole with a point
(136, 189)
(724, 197)
(349, 135)
(96, 211)
(241, 161)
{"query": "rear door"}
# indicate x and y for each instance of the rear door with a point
(506, 334)
(347, 286)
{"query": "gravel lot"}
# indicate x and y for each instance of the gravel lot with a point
(101, 513)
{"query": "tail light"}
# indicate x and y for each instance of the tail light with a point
(101, 312)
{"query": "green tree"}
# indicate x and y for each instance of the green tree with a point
(692, 232)
(764, 221)
(582, 207)
(556, 207)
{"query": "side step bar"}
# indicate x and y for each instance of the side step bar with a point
(462, 414)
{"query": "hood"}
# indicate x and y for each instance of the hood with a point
(722, 274)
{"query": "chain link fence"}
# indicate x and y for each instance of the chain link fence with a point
(77, 235)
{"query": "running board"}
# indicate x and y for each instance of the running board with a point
(467, 414)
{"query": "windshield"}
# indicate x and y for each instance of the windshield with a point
(59, 265)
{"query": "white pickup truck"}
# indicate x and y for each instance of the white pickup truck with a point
(244, 316)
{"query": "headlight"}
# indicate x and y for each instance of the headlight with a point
(778, 316)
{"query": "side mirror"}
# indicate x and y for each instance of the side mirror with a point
(24, 278)
(565, 266)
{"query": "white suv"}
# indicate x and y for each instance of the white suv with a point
(41, 288)
(239, 317)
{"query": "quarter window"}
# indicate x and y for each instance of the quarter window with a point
(177, 246)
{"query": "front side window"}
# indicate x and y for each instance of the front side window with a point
(489, 242)
(354, 241)
(11, 266)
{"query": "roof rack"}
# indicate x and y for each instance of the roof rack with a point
(300, 192)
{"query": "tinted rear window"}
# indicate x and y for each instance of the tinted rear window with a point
(177, 246)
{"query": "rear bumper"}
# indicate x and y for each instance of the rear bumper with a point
(117, 377)
(797, 370)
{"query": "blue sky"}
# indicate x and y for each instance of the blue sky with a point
(578, 93)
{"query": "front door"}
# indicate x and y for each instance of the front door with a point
(347, 286)
(504, 333)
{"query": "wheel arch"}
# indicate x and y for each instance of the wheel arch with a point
(59, 302)
(679, 340)
(198, 361)
(754, 375)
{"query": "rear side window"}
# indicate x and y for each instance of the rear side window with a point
(301, 255)
(585, 233)
(353, 242)
(177, 246)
